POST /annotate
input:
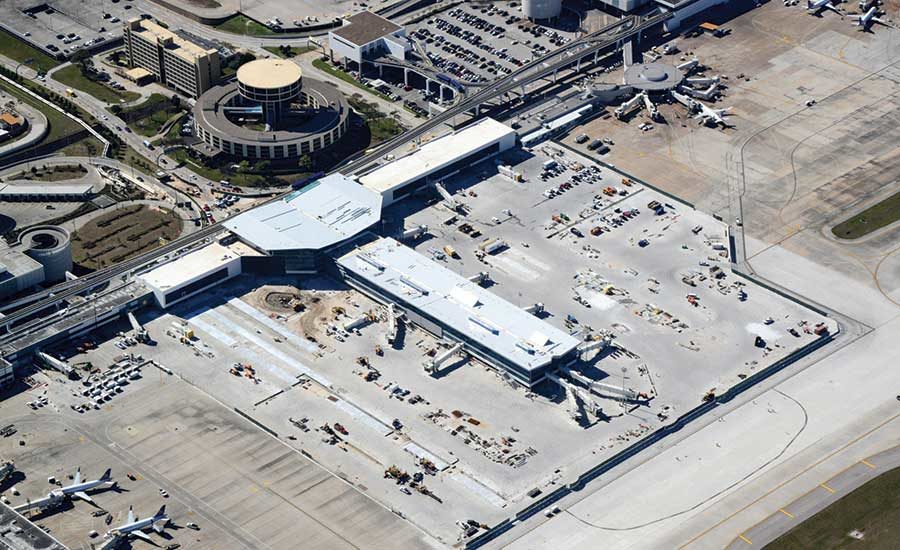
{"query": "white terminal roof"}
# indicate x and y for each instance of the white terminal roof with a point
(326, 212)
(458, 303)
(435, 154)
(189, 267)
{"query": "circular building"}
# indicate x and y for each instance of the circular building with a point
(50, 246)
(653, 77)
(270, 112)
(541, 9)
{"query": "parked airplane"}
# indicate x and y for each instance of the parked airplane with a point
(816, 7)
(135, 527)
(865, 20)
(712, 117)
(78, 488)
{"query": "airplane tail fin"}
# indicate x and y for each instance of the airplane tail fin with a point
(162, 511)
(107, 475)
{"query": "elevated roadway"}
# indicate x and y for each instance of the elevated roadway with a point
(625, 29)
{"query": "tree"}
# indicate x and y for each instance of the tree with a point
(262, 166)
(81, 56)
(305, 162)
(176, 101)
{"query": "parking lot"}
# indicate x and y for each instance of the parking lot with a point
(478, 44)
(62, 27)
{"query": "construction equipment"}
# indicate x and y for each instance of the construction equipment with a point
(535, 309)
(414, 233)
(140, 333)
(432, 365)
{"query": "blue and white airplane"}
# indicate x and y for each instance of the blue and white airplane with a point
(134, 527)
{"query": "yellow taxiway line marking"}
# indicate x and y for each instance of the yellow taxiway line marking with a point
(785, 512)
(826, 487)
(745, 539)
(867, 463)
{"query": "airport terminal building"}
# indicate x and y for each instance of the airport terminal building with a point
(456, 309)
(440, 159)
(299, 230)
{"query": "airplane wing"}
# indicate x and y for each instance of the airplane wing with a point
(130, 516)
(83, 496)
(77, 478)
(141, 535)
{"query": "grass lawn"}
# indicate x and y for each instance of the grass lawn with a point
(153, 114)
(59, 172)
(241, 24)
(85, 147)
(132, 158)
(381, 126)
(123, 233)
(13, 48)
(882, 214)
(71, 76)
(294, 51)
(214, 174)
(337, 73)
(873, 509)
(60, 125)
(172, 136)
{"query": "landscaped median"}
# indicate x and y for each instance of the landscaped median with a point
(149, 117)
(241, 24)
(871, 219)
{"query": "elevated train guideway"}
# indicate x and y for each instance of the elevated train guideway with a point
(59, 296)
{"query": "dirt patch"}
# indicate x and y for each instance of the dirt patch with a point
(123, 233)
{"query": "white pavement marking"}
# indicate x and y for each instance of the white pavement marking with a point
(247, 309)
(252, 338)
(365, 418)
(479, 489)
(212, 331)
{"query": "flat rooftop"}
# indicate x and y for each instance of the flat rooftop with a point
(365, 27)
(185, 49)
(269, 74)
(189, 266)
(481, 315)
(45, 189)
(326, 212)
(435, 154)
